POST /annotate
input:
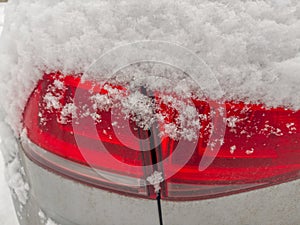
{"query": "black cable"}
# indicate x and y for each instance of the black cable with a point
(159, 208)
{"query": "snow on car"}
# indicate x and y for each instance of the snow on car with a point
(114, 104)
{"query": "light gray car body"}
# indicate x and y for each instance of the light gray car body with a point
(68, 202)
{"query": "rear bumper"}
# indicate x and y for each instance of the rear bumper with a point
(68, 202)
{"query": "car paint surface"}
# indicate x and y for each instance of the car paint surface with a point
(69, 202)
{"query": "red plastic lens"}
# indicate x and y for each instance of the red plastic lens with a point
(260, 145)
(48, 129)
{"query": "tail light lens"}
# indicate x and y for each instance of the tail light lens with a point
(47, 119)
(260, 146)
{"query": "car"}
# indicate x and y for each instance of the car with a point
(122, 112)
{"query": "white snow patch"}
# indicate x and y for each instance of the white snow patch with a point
(250, 151)
(292, 128)
(155, 179)
(7, 212)
(52, 101)
(68, 112)
(231, 121)
(232, 149)
(251, 46)
(14, 171)
(45, 220)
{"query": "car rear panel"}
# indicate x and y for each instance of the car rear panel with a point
(257, 148)
(68, 202)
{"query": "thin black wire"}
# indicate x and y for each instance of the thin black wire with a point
(159, 208)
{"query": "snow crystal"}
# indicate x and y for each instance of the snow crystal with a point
(52, 101)
(231, 121)
(155, 179)
(140, 107)
(232, 149)
(69, 110)
(268, 130)
(291, 127)
(250, 151)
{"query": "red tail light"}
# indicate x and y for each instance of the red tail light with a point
(49, 127)
(260, 147)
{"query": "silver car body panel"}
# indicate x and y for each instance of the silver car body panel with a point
(69, 202)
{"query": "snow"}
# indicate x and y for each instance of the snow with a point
(155, 179)
(232, 149)
(1, 16)
(252, 47)
(7, 212)
(45, 220)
